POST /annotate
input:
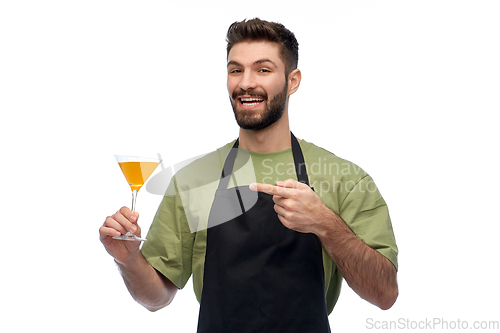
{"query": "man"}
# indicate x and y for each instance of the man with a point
(267, 255)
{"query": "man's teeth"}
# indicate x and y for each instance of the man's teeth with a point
(251, 100)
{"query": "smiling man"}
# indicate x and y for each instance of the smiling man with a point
(273, 252)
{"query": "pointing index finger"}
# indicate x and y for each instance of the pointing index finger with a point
(269, 189)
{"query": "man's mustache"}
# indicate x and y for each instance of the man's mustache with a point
(240, 92)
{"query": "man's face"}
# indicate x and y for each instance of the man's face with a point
(256, 83)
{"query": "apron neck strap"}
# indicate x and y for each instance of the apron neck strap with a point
(298, 158)
(300, 164)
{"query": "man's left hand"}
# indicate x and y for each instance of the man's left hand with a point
(297, 206)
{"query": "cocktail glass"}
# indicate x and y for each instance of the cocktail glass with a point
(136, 171)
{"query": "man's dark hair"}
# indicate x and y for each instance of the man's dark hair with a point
(260, 30)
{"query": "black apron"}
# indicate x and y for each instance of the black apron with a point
(259, 275)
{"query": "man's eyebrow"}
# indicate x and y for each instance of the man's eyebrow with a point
(261, 61)
(258, 62)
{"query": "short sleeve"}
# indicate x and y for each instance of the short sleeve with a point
(169, 245)
(367, 215)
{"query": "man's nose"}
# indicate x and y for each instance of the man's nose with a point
(247, 82)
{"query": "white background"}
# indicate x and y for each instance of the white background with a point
(405, 89)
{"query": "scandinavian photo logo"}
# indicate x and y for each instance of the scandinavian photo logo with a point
(431, 324)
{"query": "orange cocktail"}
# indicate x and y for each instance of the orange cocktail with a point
(137, 173)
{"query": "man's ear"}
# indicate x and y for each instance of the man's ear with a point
(294, 81)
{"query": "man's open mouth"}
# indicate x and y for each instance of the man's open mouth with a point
(251, 101)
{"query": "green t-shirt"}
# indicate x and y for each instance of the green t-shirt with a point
(177, 237)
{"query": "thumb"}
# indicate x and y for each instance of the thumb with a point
(289, 183)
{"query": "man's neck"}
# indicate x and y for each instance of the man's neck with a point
(270, 139)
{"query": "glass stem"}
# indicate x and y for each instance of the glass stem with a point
(134, 198)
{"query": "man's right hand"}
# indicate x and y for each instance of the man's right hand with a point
(118, 224)
(145, 284)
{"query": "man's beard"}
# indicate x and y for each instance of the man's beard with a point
(248, 120)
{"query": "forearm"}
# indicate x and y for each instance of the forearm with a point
(371, 275)
(145, 284)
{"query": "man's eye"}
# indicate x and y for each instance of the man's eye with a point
(235, 71)
(265, 71)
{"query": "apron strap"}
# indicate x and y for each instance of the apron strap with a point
(300, 164)
(298, 158)
(227, 170)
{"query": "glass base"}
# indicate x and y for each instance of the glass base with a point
(130, 237)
